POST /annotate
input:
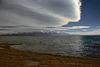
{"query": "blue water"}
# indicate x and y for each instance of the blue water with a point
(83, 46)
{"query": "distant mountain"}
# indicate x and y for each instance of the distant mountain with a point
(36, 34)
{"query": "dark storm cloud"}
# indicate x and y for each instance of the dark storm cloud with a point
(8, 26)
(49, 27)
(3, 29)
(14, 26)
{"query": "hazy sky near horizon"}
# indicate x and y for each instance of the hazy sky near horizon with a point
(67, 16)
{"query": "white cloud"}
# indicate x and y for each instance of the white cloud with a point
(79, 27)
(39, 13)
(95, 32)
(68, 28)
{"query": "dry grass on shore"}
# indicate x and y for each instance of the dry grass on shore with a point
(14, 58)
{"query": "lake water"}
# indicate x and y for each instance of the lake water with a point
(84, 46)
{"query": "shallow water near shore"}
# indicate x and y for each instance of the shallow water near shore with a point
(83, 46)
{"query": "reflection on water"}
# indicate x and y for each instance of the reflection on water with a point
(85, 46)
(91, 46)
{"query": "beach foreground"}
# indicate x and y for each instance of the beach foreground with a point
(10, 57)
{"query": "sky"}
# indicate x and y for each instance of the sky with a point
(75, 17)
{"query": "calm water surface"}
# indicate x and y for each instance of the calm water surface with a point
(84, 46)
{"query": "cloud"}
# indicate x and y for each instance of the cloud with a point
(3, 29)
(84, 31)
(79, 27)
(8, 26)
(77, 30)
(67, 28)
(22, 28)
(39, 13)
(95, 32)
(17, 28)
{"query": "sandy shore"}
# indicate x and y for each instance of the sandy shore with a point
(14, 58)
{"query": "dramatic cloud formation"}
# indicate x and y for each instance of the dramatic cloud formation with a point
(39, 13)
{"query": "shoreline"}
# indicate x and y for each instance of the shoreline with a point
(10, 57)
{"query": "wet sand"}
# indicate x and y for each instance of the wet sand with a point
(10, 57)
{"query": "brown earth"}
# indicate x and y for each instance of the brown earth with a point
(14, 58)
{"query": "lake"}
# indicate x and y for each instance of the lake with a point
(83, 46)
